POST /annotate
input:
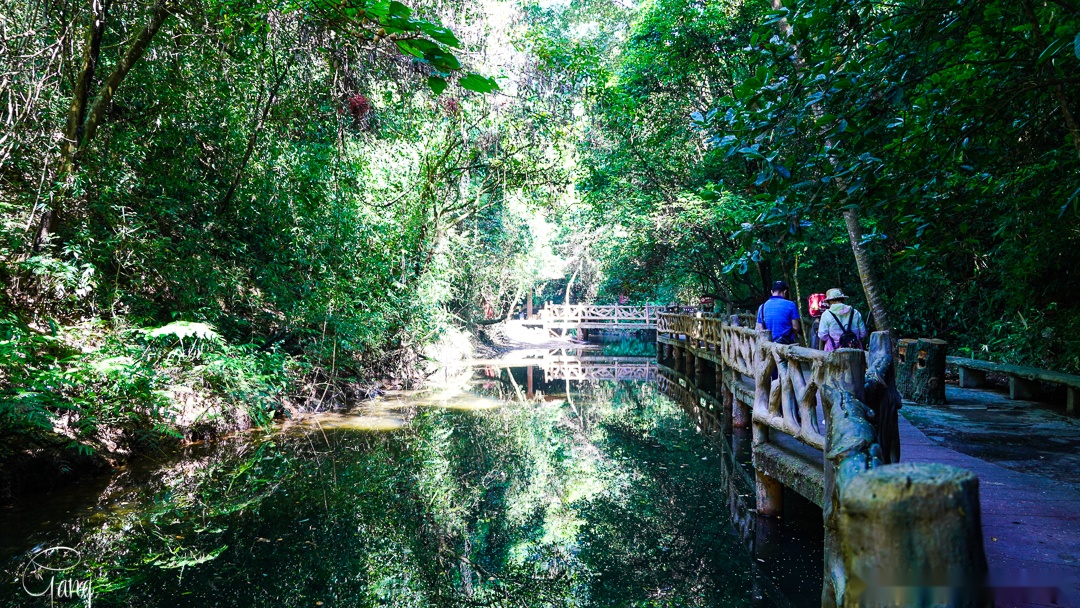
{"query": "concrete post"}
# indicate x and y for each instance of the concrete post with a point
(770, 495)
(740, 413)
(678, 357)
(718, 387)
(911, 535)
(847, 368)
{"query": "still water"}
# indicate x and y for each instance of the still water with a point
(510, 487)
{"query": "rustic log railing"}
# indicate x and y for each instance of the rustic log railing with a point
(591, 313)
(820, 423)
(791, 405)
(596, 316)
(595, 368)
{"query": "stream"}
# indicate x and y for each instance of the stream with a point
(506, 487)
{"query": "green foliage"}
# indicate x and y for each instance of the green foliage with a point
(90, 380)
(729, 138)
(944, 125)
(286, 203)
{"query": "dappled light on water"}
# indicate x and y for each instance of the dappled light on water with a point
(381, 421)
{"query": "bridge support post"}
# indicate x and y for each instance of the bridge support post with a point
(688, 363)
(770, 495)
(660, 352)
(700, 365)
(770, 491)
(677, 356)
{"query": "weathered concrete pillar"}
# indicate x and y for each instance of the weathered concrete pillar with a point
(768, 545)
(688, 364)
(972, 378)
(770, 495)
(911, 535)
(726, 400)
(846, 371)
(928, 373)
(718, 387)
(904, 363)
(740, 413)
(677, 355)
(1020, 388)
(660, 352)
(700, 367)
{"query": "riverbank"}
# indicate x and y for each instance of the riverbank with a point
(78, 400)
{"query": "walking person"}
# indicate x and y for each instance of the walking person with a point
(780, 316)
(841, 325)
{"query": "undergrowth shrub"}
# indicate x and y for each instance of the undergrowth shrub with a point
(88, 381)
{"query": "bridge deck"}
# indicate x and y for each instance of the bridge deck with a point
(1031, 516)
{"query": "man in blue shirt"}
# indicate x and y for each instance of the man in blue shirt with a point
(780, 315)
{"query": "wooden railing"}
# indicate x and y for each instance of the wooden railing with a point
(790, 404)
(739, 348)
(628, 369)
(593, 313)
(597, 314)
(843, 403)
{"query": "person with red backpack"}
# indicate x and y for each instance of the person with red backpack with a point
(841, 325)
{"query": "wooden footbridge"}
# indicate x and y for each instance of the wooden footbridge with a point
(582, 365)
(825, 426)
(558, 318)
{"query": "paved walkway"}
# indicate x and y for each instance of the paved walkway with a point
(1024, 455)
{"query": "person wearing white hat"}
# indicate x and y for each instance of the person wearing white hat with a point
(841, 325)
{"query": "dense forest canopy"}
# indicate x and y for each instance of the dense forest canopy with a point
(274, 202)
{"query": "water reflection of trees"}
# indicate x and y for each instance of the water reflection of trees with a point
(587, 494)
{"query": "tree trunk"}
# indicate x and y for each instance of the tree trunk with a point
(74, 129)
(80, 98)
(867, 272)
(569, 287)
(223, 205)
(79, 134)
(514, 301)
